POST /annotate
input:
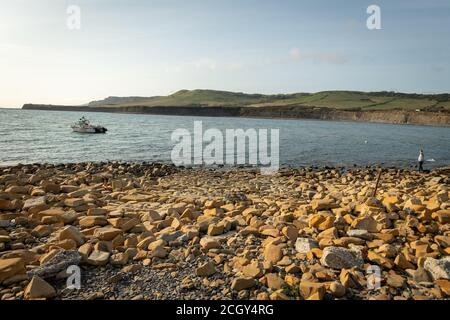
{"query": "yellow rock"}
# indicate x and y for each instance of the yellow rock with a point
(274, 281)
(365, 223)
(239, 284)
(337, 289)
(312, 290)
(252, 270)
(323, 204)
(38, 289)
(348, 279)
(209, 243)
(321, 221)
(273, 253)
(106, 233)
(443, 216)
(380, 260)
(11, 267)
(206, 269)
(71, 233)
(215, 229)
(444, 285)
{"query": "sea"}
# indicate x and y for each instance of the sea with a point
(34, 136)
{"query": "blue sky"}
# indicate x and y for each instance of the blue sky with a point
(156, 47)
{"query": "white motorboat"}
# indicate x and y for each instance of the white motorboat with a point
(83, 126)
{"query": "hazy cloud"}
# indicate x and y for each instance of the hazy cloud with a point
(326, 57)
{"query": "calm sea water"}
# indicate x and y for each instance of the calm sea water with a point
(28, 136)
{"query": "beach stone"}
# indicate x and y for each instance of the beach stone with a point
(159, 252)
(120, 258)
(312, 290)
(340, 258)
(206, 269)
(395, 280)
(305, 245)
(242, 283)
(98, 258)
(209, 243)
(4, 239)
(379, 259)
(74, 202)
(5, 223)
(72, 233)
(97, 212)
(34, 202)
(438, 268)
(419, 275)
(92, 221)
(10, 267)
(214, 230)
(107, 233)
(444, 285)
(18, 189)
(365, 223)
(323, 204)
(252, 270)
(41, 231)
(402, 262)
(321, 221)
(51, 187)
(337, 289)
(443, 216)
(274, 281)
(85, 250)
(7, 205)
(290, 232)
(273, 253)
(39, 288)
(359, 233)
(348, 279)
(57, 262)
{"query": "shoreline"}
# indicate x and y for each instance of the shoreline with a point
(233, 168)
(296, 112)
(153, 231)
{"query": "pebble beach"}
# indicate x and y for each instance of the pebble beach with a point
(154, 231)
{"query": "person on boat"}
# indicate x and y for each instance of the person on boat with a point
(421, 159)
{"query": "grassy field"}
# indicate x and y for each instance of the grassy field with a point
(351, 100)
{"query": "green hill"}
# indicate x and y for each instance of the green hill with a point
(344, 100)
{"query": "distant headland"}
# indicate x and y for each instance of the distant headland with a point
(383, 106)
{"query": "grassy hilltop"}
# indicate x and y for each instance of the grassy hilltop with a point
(343, 100)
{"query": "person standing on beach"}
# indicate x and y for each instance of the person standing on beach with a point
(421, 159)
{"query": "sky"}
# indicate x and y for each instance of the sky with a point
(157, 47)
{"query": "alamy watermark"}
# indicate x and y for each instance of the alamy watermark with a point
(73, 21)
(374, 20)
(74, 280)
(237, 147)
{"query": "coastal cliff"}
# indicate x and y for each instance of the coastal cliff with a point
(282, 112)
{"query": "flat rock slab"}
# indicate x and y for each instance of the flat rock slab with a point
(340, 258)
(59, 262)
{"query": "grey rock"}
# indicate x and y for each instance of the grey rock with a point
(439, 269)
(359, 233)
(33, 202)
(341, 258)
(59, 262)
(304, 245)
(4, 223)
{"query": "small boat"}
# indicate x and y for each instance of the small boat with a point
(83, 126)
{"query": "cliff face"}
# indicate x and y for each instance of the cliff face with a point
(285, 112)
